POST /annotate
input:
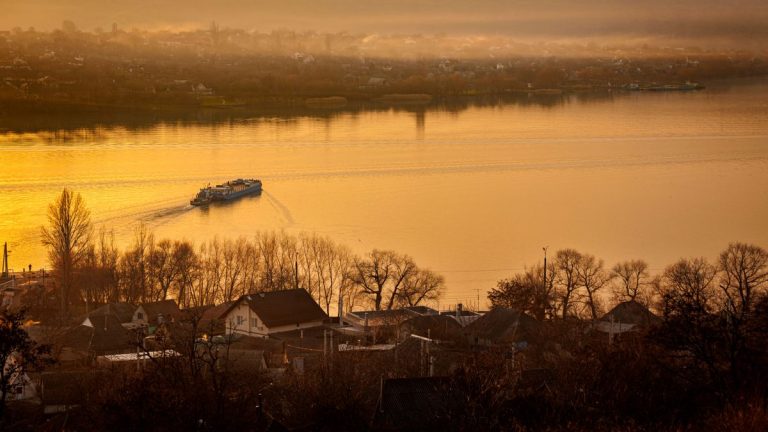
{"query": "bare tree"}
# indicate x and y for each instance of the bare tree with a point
(162, 269)
(592, 277)
(67, 238)
(186, 260)
(566, 278)
(527, 292)
(632, 277)
(381, 274)
(744, 273)
(332, 263)
(134, 274)
(421, 286)
(690, 326)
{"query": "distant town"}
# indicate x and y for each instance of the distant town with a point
(279, 332)
(132, 69)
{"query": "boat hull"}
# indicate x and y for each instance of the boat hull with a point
(227, 192)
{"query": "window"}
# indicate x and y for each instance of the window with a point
(240, 319)
(140, 315)
(254, 322)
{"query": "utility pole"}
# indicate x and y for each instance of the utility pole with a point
(5, 261)
(478, 299)
(545, 266)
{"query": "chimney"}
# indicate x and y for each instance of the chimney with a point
(459, 308)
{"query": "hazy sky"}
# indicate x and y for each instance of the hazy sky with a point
(739, 21)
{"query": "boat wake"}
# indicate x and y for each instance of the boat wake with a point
(280, 207)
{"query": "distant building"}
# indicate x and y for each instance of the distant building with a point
(267, 313)
(502, 326)
(155, 313)
(97, 335)
(628, 316)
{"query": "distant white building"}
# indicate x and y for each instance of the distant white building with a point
(267, 313)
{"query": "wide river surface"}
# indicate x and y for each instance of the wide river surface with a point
(473, 193)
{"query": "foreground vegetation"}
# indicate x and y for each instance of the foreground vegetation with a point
(701, 365)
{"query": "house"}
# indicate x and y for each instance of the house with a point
(266, 313)
(152, 314)
(11, 297)
(20, 385)
(440, 327)
(502, 326)
(628, 316)
(379, 318)
(97, 335)
(212, 318)
(122, 311)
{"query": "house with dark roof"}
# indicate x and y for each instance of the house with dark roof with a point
(440, 327)
(122, 311)
(266, 313)
(97, 335)
(628, 316)
(156, 313)
(502, 326)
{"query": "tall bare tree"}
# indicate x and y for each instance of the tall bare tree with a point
(566, 278)
(632, 277)
(744, 273)
(423, 285)
(134, 266)
(380, 275)
(67, 238)
(592, 277)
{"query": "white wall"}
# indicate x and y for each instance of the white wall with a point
(242, 310)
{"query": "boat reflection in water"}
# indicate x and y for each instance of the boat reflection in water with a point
(228, 191)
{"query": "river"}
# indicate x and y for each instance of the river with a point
(473, 193)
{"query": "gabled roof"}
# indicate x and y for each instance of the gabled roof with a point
(122, 311)
(279, 308)
(422, 310)
(503, 325)
(98, 334)
(631, 312)
(385, 317)
(167, 308)
(216, 312)
(439, 327)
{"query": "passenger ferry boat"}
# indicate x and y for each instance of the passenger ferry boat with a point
(226, 192)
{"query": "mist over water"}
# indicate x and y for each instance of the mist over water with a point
(472, 193)
(736, 23)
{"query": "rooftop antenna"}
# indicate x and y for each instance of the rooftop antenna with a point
(5, 260)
